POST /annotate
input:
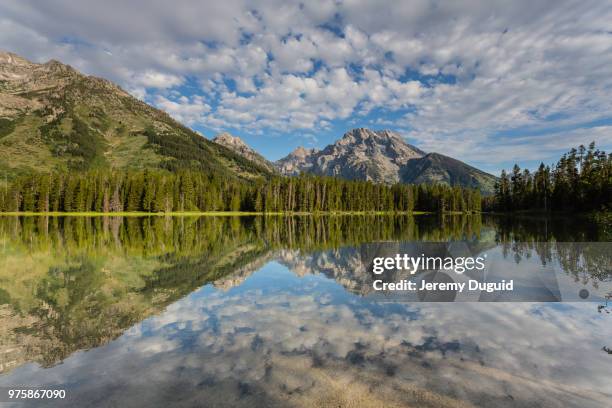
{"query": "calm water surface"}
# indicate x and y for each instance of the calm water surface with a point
(280, 311)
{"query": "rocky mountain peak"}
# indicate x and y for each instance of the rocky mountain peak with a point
(382, 156)
(16, 68)
(57, 67)
(8, 58)
(361, 154)
(362, 134)
(237, 145)
(228, 140)
(392, 141)
(13, 67)
(51, 80)
(302, 152)
(298, 161)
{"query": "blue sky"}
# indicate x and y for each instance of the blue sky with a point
(488, 82)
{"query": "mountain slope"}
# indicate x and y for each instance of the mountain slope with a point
(55, 118)
(437, 168)
(383, 157)
(235, 144)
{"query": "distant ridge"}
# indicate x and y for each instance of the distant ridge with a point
(438, 168)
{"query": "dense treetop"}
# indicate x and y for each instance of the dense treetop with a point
(580, 181)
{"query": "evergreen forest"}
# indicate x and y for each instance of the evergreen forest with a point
(161, 191)
(581, 181)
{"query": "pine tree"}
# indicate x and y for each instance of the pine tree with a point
(43, 193)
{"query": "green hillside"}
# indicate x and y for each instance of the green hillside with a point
(435, 168)
(55, 118)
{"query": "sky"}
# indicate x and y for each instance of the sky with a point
(488, 82)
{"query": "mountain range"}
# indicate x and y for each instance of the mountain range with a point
(54, 118)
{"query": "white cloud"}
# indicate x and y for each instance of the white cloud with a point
(298, 66)
(152, 79)
(489, 151)
(186, 110)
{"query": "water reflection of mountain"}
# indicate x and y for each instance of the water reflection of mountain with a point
(569, 271)
(69, 284)
(351, 266)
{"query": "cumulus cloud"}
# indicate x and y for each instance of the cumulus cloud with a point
(159, 80)
(441, 72)
(187, 110)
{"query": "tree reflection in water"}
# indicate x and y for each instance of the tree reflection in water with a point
(74, 283)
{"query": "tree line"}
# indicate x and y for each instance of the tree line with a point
(580, 181)
(192, 190)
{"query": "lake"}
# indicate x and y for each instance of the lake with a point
(282, 311)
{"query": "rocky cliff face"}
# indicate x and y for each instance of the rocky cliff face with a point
(383, 157)
(235, 144)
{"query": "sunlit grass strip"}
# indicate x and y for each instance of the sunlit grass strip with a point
(204, 213)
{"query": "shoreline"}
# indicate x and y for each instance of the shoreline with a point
(211, 213)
